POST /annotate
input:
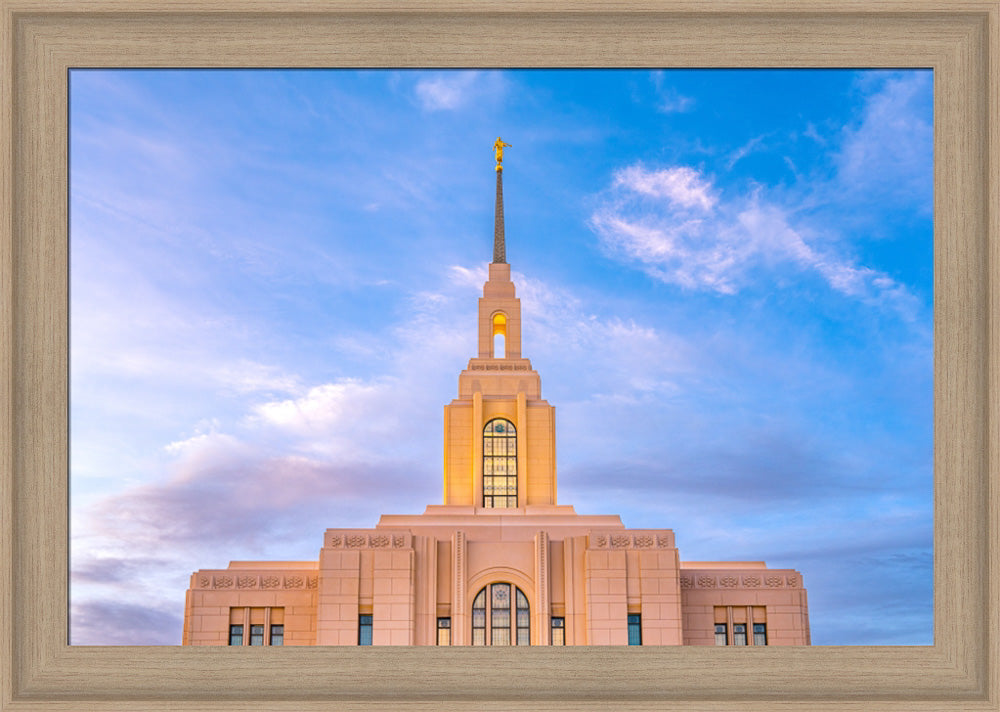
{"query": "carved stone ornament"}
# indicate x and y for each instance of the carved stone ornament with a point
(729, 581)
(223, 581)
(204, 582)
(773, 581)
(643, 541)
(336, 541)
(600, 540)
(311, 582)
(293, 582)
(686, 582)
(793, 580)
(751, 581)
(379, 541)
(356, 541)
(399, 541)
(663, 541)
(246, 582)
(620, 541)
(706, 581)
(270, 582)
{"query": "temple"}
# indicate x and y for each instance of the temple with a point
(500, 562)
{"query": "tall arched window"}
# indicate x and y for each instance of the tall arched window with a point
(499, 464)
(492, 620)
(499, 335)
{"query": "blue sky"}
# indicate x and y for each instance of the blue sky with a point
(725, 278)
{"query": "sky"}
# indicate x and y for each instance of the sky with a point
(725, 279)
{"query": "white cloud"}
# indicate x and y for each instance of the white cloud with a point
(743, 151)
(669, 100)
(889, 154)
(448, 91)
(672, 223)
(681, 185)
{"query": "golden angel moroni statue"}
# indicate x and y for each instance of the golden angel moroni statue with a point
(498, 148)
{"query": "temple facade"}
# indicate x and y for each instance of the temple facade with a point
(500, 562)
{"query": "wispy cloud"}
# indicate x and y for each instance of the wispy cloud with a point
(668, 99)
(743, 151)
(447, 91)
(672, 224)
(888, 153)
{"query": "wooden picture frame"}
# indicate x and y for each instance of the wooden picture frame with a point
(41, 39)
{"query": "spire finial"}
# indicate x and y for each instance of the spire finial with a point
(499, 248)
(498, 147)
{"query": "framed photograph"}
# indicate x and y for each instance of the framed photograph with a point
(47, 45)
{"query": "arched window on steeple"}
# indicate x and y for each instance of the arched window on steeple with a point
(499, 464)
(499, 335)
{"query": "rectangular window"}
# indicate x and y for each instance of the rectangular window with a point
(444, 631)
(277, 635)
(559, 631)
(720, 634)
(739, 633)
(760, 634)
(236, 635)
(365, 629)
(634, 629)
(256, 635)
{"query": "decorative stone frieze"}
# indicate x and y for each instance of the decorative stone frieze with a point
(737, 580)
(368, 540)
(639, 540)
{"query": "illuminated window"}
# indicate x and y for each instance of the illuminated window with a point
(236, 635)
(494, 624)
(634, 629)
(499, 464)
(760, 634)
(444, 631)
(739, 633)
(558, 631)
(365, 629)
(720, 634)
(277, 635)
(499, 335)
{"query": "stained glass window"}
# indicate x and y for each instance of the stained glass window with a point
(499, 464)
(479, 619)
(506, 623)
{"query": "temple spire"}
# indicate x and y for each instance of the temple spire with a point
(499, 247)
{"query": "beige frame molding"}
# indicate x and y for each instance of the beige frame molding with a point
(40, 39)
